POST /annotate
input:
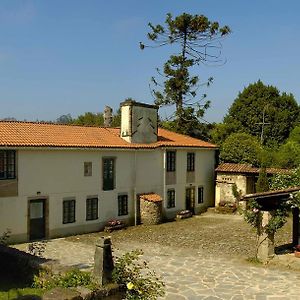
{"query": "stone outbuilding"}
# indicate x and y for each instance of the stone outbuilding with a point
(244, 176)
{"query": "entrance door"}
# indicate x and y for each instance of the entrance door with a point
(37, 219)
(190, 199)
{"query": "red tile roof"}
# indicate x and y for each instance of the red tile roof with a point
(30, 134)
(151, 197)
(246, 168)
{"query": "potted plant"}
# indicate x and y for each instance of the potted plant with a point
(114, 225)
(184, 214)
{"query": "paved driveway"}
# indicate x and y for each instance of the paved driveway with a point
(189, 272)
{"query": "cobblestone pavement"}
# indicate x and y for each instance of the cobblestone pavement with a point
(189, 274)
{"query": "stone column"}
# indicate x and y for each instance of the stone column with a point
(296, 226)
(103, 261)
(265, 241)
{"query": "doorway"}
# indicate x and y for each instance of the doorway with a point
(37, 219)
(190, 199)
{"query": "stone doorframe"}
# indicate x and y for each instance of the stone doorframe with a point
(46, 203)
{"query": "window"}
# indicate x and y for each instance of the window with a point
(171, 161)
(7, 164)
(91, 208)
(190, 162)
(69, 211)
(122, 205)
(200, 194)
(108, 174)
(170, 198)
(88, 168)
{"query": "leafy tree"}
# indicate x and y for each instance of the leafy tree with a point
(262, 184)
(198, 39)
(256, 102)
(288, 155)
(96, 119)
(64, 119)
(90, 119)
(240, 148)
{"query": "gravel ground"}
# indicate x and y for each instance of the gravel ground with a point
(228, 235)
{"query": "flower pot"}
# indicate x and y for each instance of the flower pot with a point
(297, 254)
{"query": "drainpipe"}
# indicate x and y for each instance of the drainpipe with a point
(164, 175)
(134, 189)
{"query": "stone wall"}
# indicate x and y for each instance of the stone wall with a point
(151, 212)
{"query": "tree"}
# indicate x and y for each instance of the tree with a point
(64, 119)
(258, 104)
(241, 148)
(262, 184)
(90, 119)
(96, 119)
(199, 42)
(288, 155)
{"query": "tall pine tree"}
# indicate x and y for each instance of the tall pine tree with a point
(198, 41)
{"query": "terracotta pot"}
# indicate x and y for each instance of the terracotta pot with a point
(297, 254)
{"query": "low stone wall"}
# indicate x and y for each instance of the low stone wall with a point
(151, 212)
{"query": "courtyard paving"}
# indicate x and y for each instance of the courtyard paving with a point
(189, 272)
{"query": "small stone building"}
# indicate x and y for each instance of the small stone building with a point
(244, 176)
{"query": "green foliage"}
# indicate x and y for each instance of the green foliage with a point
(64, 119)
(240, 148)
(96, 119)
(141, 283)
(4, 237)
(237, 194)
(73, 278)
(253, 215)
(21, 293)
(283, 181)
(288, 155)
(262, 184)
(197, 38)
(281, 112)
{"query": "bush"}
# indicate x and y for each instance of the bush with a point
(73, 278)
(141, 283)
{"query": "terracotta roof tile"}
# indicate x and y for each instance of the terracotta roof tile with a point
(30, 134)
(247, 168)
(152, 197)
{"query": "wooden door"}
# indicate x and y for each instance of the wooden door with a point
(37, 219)
(190, 199)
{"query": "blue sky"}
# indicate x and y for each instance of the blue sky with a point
(71, 56)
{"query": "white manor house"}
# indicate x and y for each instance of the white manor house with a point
(57, 180)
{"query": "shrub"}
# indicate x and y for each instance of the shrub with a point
(4, 237)
(140, 282)
(73, 278)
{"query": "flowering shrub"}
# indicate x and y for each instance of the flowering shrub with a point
(140, 282)
(115, 223)
(184, 212)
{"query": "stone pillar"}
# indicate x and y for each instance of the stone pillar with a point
(265, 242)
(103, 261)
(296, 226)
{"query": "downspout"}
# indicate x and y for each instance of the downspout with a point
(164, 175)
(134, 189)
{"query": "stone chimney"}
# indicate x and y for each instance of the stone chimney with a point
(138, 122)
(107, 116)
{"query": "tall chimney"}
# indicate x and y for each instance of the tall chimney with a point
(107, 116)
(138, 122)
